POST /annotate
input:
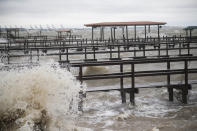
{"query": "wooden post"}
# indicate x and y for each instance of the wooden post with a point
(85, 54)
(186, 33)
(159, 51)
(111, 34)
(185, 88)
(80, 106)
(135, 32)
(0, 31)
(38, 54)
(188, 48)
(60, 55)
(80, 73)
(119, 51)
(132, 93)
(123, 95)
(167, 45)
(144, 50)
(103, 33)
(114, 34)
(170, 89)
(134, 52)
(158, 32)
(110, 51)
(67, 54)
(30, 55)
(94, 54)
(145, 32)
(149, 29)
(190, 33)
(123, 35)
(179, 48)
(127, 34)
(92, 33)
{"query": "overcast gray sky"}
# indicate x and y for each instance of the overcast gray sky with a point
(76, 13)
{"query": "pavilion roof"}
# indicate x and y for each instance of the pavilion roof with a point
(134, 23)
(190, 28)
(64, 30)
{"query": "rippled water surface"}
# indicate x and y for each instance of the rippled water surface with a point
(46, 97)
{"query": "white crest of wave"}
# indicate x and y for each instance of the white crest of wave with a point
(44, 92)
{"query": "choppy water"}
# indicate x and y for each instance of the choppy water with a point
(46, 97)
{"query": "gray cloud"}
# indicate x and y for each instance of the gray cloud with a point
(73, 12)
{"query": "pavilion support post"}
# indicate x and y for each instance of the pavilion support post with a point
(111, 34)
(103, 37)
(7, 34)
(188, 48)
(149, 29)
(123, 95)
(145, 32)
(179, 48)
(92, 34)
(123, 35)
(135, 32)
(0, 31)
(186, 31)
(15, 33)
(100, 33)
(190, 33)
(127, 34)
(114, 34)
(158, 32)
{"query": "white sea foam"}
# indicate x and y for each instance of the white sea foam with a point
(43, 92)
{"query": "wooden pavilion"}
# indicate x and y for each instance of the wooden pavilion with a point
(124, 25)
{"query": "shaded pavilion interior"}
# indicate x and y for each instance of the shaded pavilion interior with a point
(61, 32)
(124, 25)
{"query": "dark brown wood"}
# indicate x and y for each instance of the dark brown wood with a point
(170, 89)
(123, 95)
(135, 36)
(132, 93)
(185, 88)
